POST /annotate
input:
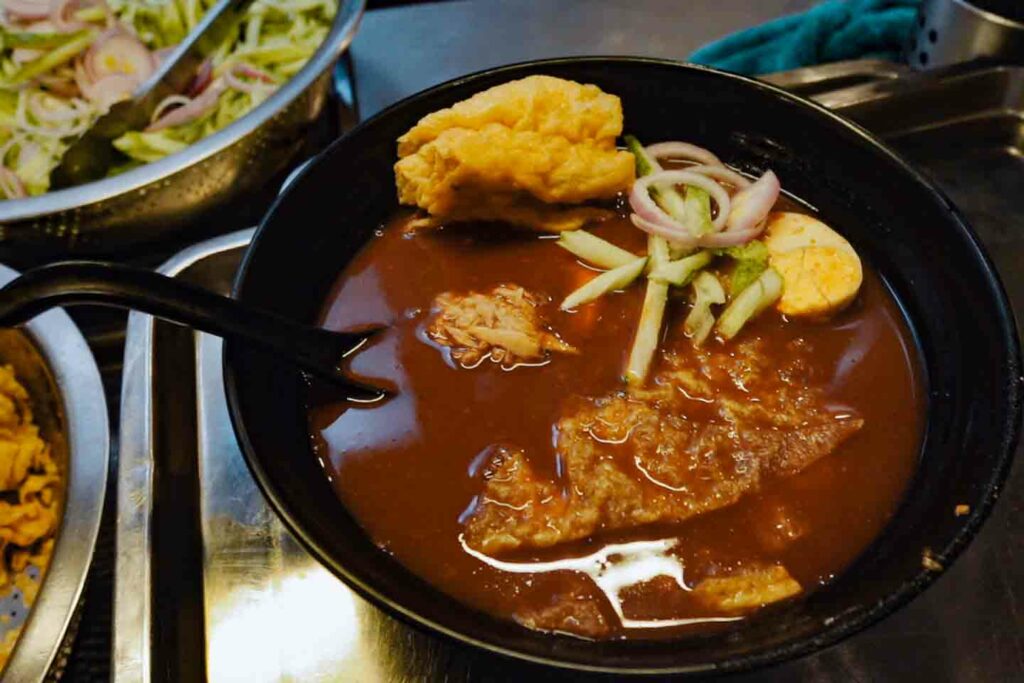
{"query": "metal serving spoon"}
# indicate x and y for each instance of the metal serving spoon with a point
(92, 155)
(317, 351)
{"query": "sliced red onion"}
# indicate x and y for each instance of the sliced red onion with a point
(62, 13)
(642, 203)
(204, 76)
(683, 151)
(682, 241)
(46, 114)
(11, 184)
(723, 173)
(60, 85)
(24, 54)
(118, 52)
(191, 111)
(26, 10)
(731, 238)
(111, 89)
(168, 103)
(751, 206)
(233, 77)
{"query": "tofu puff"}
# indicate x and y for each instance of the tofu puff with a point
(527, 152)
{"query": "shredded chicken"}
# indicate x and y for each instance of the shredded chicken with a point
(523, 153)
(632, 460)
(748, 589)
(503, 325)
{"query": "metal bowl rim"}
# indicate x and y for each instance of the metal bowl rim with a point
(77, 379)
(343, 29)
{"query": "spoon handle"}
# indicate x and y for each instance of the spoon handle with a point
(70, 283)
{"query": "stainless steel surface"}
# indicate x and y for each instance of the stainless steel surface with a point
(829, 77)
(92, 154)
(270, 613)
(133, 589)
(956, 31)
(174, 192)
(75, 387)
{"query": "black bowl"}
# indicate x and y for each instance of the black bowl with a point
(899, 221)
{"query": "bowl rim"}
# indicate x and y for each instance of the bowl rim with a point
(343, 30)
(76, 379)
(839, 629)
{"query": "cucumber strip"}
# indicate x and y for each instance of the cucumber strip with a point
(657, 249)
(707, 290)
(759, 295)
(667, 197)
(78, 42)
(31, 40)
(750, 260)
(595, 250)
(605, 282)
(697, 211)
(648, 333)
(680, 272)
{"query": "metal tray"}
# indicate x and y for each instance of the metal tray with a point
(210, 584)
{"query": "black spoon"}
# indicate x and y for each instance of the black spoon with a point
(315, 350)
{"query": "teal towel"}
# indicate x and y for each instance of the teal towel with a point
(829, 32)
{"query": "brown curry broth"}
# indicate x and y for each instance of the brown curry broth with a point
(407, 469)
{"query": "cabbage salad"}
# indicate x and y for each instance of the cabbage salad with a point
(63, 63)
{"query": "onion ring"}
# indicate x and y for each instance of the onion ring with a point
(118, 52)
(11, 184)
(233, 78)
(644, 205)
(111, 89)
(723, 173)
(684, 151)
(686, 241)
(195, 108)
(166, 104)
(24, 10)
(752, 205)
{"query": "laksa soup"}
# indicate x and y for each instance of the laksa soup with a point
(638, 394)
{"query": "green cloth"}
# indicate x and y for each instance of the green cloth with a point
(832, 31)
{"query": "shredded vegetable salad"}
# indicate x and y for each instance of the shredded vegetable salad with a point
(65, 62)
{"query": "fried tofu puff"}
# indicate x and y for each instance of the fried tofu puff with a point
(820, 270)
(526, 152)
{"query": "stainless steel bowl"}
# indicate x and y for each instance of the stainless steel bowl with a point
(166, 195)
(53, 361)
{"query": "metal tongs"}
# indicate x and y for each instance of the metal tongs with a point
(93, 154)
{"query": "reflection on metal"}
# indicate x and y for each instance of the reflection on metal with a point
(272, 612)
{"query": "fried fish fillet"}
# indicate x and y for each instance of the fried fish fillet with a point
(638, 459)
(526, 152)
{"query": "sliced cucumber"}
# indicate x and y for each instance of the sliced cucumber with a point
(595, 250)
(648, 333)
(680, 272)
(707, 291)
(759, 295)
(609, 281)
